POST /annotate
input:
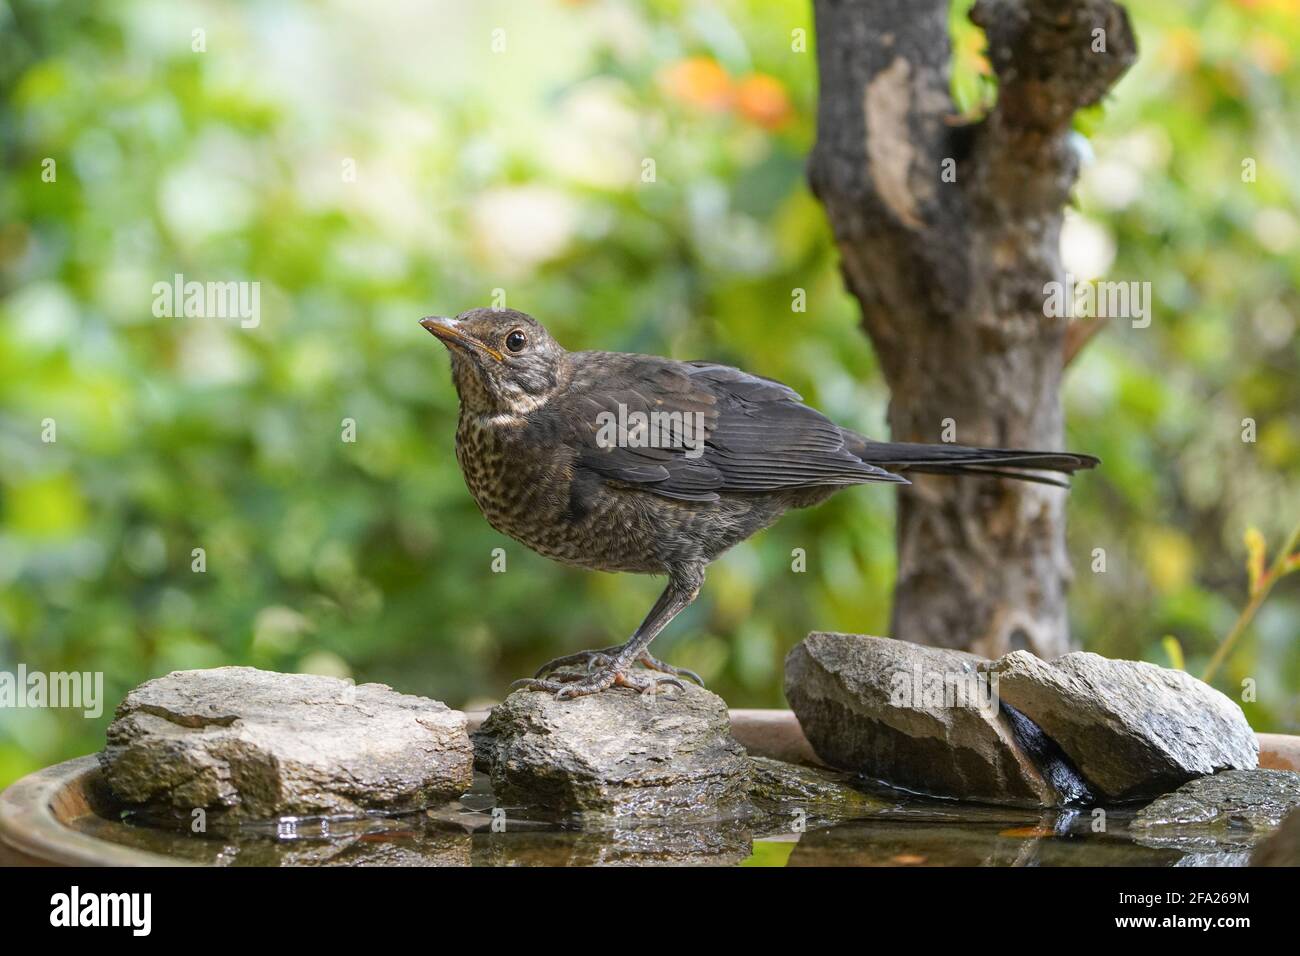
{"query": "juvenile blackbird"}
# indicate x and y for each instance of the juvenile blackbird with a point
(622, 462)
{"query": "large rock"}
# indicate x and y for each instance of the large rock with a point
(1234, 803)
(614, 756)
(1133, 729)
(249, 745)
(1283, 847)
(919, 718)
(1018, 730)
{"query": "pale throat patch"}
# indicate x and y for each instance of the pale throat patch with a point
(520, 406)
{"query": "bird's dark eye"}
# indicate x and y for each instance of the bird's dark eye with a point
(516, 341)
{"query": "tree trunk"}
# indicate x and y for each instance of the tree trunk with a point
(948, 234)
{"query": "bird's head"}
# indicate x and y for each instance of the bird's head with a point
(502, 361)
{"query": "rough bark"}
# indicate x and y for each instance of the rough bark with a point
(950, 276)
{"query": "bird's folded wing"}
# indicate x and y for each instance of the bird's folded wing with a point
(691, 430)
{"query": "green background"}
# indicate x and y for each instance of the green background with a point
(521, 170)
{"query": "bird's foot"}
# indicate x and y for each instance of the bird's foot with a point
(605, 656)
(566, 686)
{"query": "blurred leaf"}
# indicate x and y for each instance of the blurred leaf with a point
(1174, 651)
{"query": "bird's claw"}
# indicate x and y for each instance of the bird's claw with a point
(647, 684)
(655, 664)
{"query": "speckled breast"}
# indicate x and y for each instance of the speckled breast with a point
(521, 493)
(523, 490)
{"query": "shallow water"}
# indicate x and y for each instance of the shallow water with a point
(891, 829)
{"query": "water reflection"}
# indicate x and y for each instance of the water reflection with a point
(884, 829)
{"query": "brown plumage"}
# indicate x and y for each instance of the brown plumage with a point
(622, 462)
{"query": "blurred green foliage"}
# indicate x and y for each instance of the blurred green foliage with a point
(521, 169)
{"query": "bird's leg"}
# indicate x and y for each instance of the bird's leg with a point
(616, 662)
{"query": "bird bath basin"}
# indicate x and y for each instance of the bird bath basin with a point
(63, 815)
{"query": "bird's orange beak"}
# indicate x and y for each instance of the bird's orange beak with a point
(450, 332)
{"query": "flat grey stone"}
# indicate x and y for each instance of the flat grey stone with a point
(882, 708)
(1228, 803)
(1132, 729)
(614, 756)
(248, 745)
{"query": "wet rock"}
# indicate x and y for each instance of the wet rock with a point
(250, 745)
(1283, 847)
(782, 790)
(1218, 858)
(1131, 728)
(614, 755)
(1230, 804)
(913, 716)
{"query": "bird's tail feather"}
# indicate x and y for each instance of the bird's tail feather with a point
(962, 460)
